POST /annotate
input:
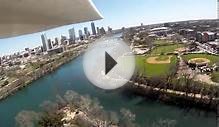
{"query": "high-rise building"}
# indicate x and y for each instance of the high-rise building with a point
(63, 38)
(57, 42)
(102, 31)
(72, 36)
(80, 33)
(93, 28)
(86, 32)
(217, 9)
(49, 44)
(44, 42)
(110, 29)
(98, 30)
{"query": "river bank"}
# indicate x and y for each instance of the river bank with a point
(173, 97)
(34, 75)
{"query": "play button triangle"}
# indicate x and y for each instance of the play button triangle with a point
(109, 63)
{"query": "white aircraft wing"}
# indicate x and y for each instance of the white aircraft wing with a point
(18, 17)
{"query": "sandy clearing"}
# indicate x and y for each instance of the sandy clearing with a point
(153, 60)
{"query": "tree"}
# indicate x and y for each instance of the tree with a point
(164, 123)
(51, 120)
(127, 118)
(26, 118)
(6, 82)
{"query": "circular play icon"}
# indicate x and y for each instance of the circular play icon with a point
(109, 63)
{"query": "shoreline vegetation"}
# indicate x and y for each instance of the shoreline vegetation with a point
(41, 70)
(74, 110)
(201, 98)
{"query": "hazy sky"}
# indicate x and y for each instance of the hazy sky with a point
(119, 13)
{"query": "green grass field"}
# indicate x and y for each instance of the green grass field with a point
(162, 42)
(212, 58)
(215, 77)
(151, 70)
(166, 49)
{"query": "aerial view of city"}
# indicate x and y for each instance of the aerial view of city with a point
(115, 63)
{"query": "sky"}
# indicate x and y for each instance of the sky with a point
(119, 13)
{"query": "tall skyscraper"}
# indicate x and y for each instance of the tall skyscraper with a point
(44, 42)
(86, 32)
(102, 31)
(98, 30)
(217, 9)
(93, 28)
(57, 42)
(72, 36)
(80, 33)
(49, 44)
(63, 39)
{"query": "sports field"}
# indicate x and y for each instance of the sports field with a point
(162, 42)
(212, 58)
(155, 65)
(166, 49)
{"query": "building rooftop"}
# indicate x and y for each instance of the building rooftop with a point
(209, 33)
(160, 28)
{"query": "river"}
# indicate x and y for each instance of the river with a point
(71, 77)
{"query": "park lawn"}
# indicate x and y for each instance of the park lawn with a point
(162, 42)
(166, 49)
(215, 77)
(153, 70)
(214, 59)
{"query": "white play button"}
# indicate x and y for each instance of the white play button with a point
(109, 63)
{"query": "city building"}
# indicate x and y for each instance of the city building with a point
(72, 36)
(161, 31)
(80, 33)
(57, 42)
(102, 31)
(64, 40)
(86, 32)
(98, 31)
(217, 9)
(187, 33)
(205, 36)
(44, 42)
(49, 44)
(209, 36)
(93, 28)
(142, 24)
(56, 50)
(110, 29)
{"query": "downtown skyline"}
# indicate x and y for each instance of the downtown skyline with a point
(119, 13)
